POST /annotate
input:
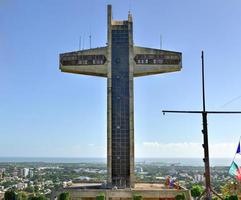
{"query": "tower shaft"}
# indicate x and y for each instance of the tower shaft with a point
(120, 62)
(120, 134)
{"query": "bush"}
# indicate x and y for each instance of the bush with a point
(10, 195)
(41, 197)
(196, 191)
(101, 196)
(64, 196)
(22, 196)
(29, 189)
(233, 197)
(180, 197)
(137, 197)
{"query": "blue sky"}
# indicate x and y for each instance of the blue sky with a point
(48, 113)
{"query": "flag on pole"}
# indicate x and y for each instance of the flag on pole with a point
(235, 171)
(238, 176)
(238, 149)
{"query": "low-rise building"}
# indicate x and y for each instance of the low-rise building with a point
(198, 178)
(1, 195)
(21, 186)
(2, 170)
(31, 173)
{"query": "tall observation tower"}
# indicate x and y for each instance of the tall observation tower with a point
(120, 61)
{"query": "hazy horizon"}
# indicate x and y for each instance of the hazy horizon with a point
(161, 161)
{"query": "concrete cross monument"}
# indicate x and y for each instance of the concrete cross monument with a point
(120, 61)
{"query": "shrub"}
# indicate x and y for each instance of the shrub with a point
(10, 195)
(196, 191)
(64, 196)
(233, 197)
(180, 197)
(137, 197)
(41, 197)
(101, 196)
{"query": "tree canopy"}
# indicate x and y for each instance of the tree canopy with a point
(196, 191)
(10, 195)
(64, 196)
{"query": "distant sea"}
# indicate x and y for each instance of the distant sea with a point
(159, 161)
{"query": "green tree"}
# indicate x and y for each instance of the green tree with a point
(36, 188)
(10, 195)
(196, 191)
(64, 196)
(40, 197)
(180, 197)
(101, 196)
(233, 197)
(29, 189)
(21, 196)
(137, 197)
(231, 188)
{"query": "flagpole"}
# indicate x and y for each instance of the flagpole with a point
(208, 189)
(236, 151)
(235, 155)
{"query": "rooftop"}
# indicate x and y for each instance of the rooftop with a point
(138, 186)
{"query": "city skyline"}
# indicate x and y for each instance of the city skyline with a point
(47, 113)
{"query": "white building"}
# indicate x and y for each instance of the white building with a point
(198, 178)
(2, 170)
(21, 186)
(31, 173)
(24, 172)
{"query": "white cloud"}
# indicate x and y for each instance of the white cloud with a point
(185, 149)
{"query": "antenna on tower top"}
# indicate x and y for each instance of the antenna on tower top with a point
(79, 42)
(90, 40)
(129, 6)
(203, 83)
(160, 41)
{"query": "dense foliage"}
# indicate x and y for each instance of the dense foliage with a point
(40, 197)
(231, 197)
(10, 195)
(180, 197)
(64, 196)
(196, 191)
(101, 196)
(137, 197)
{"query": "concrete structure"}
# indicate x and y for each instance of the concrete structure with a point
(147, 191)
(120, 61)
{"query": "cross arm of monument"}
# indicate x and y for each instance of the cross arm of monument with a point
(88, 62)
(148, 61)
